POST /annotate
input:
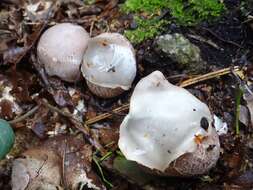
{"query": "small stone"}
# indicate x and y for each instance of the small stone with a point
(181, 50)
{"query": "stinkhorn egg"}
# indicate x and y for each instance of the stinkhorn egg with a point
(7, 138)
(60, 50)
(168, 130)
(109, 65)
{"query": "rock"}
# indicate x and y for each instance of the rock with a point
(181, 50)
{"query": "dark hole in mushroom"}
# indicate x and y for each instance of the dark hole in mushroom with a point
(104, 43)
(111, 69)
(158, 84)
(204, 123)
(210, 147)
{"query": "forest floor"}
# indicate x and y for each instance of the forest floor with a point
(50, 102)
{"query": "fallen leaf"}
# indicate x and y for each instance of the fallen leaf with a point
(244, 115)
(245, 180)
(248, 97)
(37, 169)
(63, 159)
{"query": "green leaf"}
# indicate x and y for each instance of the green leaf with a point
(97, 162)
(132, 171)
(7, 138)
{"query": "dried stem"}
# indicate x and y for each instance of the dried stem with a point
(26, 115)
(79, 125)
(107, 115)
(208, 76)
(186, 83)
(221, 39)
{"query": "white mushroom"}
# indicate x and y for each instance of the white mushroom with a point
(168, 129)
(60, 50)
(109, 65)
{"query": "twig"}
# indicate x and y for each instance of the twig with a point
(186, 83)
(91, 27)
(41, 73)
(209, 42)
(26, 115)
(79, 125)
(209, 76)
(221, 39)
(249, 19)
(238, 107)
(63, 164)
(107, 115)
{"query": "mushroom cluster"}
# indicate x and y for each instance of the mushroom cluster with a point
(107, 61)
(173, 135)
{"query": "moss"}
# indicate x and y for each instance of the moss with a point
(144, 5)
(183, 12)
(146, 29)
(195, 11)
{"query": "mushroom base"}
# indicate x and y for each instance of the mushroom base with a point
(196, 163)
(104, 92)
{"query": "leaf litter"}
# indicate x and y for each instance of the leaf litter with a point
(65, 118)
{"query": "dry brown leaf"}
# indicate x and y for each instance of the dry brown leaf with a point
(248, 97)
(60, 159)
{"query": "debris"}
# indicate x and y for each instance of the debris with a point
(41, 167)
(244, 115)
(38, 11)
(248, 97)
(220, 126)
(8, 103)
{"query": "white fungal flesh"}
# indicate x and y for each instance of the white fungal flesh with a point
(220, 126)
(61, 49)
(162, 124)
(109, 61)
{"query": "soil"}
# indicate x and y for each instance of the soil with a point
(234, 40)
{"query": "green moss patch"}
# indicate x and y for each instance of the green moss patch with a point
(146, 29)
(183, 12)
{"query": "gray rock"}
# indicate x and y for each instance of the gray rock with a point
(181, 50)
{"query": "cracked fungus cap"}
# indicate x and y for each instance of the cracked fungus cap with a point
(168, 130)
(109, 62)
(60, 50)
